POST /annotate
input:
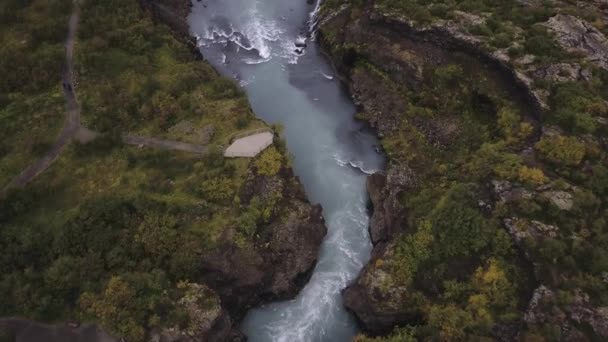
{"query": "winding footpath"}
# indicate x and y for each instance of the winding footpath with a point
(72, 127)
(72, 122)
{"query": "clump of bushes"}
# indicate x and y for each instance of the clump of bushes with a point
(269, 162)
(562, 150)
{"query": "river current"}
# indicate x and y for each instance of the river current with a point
(268, 47)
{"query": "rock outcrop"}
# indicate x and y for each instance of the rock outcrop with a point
(394, 51)
(384, 190)
(245, 276)
(577, 36)
(378, 310)
(543, 310)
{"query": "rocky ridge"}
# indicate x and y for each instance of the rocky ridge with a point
(400, 49)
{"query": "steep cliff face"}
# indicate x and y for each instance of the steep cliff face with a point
(279, 264)
(471, 191)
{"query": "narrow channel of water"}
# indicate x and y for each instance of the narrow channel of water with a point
(261, 44)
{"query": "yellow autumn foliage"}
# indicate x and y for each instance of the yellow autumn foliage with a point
(532, 175)
(269, 162)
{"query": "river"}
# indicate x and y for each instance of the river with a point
(260, 43)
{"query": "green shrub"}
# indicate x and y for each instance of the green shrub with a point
(540, 43)
(269, 162)
(576, 107)
(562, 150)
(532, 176)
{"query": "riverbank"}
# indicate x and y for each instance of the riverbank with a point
(153, 244)
(476, 195)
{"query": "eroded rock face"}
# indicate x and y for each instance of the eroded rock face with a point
(561, 199)
(520, 229)
(378, 305)
(563, 72)
(285, 250)
(207, 320)
(387, 218)
(280, 264)
(577, 35)
(582, 311)
(507, 192)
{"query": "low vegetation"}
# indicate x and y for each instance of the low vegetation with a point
(110, 233)
(456, 265)
(31, 112)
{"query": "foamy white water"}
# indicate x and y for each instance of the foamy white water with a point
(266, 46)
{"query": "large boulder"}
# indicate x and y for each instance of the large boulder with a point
(282, 256)
(578, 36)
(561, 199)
(207, 320)
(377, 304)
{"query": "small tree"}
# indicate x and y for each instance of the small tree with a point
(532, 175)
(562, 150)
(269, 162)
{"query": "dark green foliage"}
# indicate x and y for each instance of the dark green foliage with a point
(540, 43)
(109, 232)
(577, 105)
(31, 62)
(460, 228)
(454, 262)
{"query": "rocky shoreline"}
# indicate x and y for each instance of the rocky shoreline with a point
(237, 275)
(400, 49)
(282, 262)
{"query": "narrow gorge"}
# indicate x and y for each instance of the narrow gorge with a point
(438, 172)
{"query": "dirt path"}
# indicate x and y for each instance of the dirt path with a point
(72, 127)
(85, 135)
(72, 121)
(164, 144)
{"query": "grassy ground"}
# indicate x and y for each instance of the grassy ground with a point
(31, 59)
(109, 231)
(154, 81)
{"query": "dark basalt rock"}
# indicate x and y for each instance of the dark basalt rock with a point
(388, 217)
(371, 316)
(274, 265)
(377, 311)
(282, 259)
(281, 262)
